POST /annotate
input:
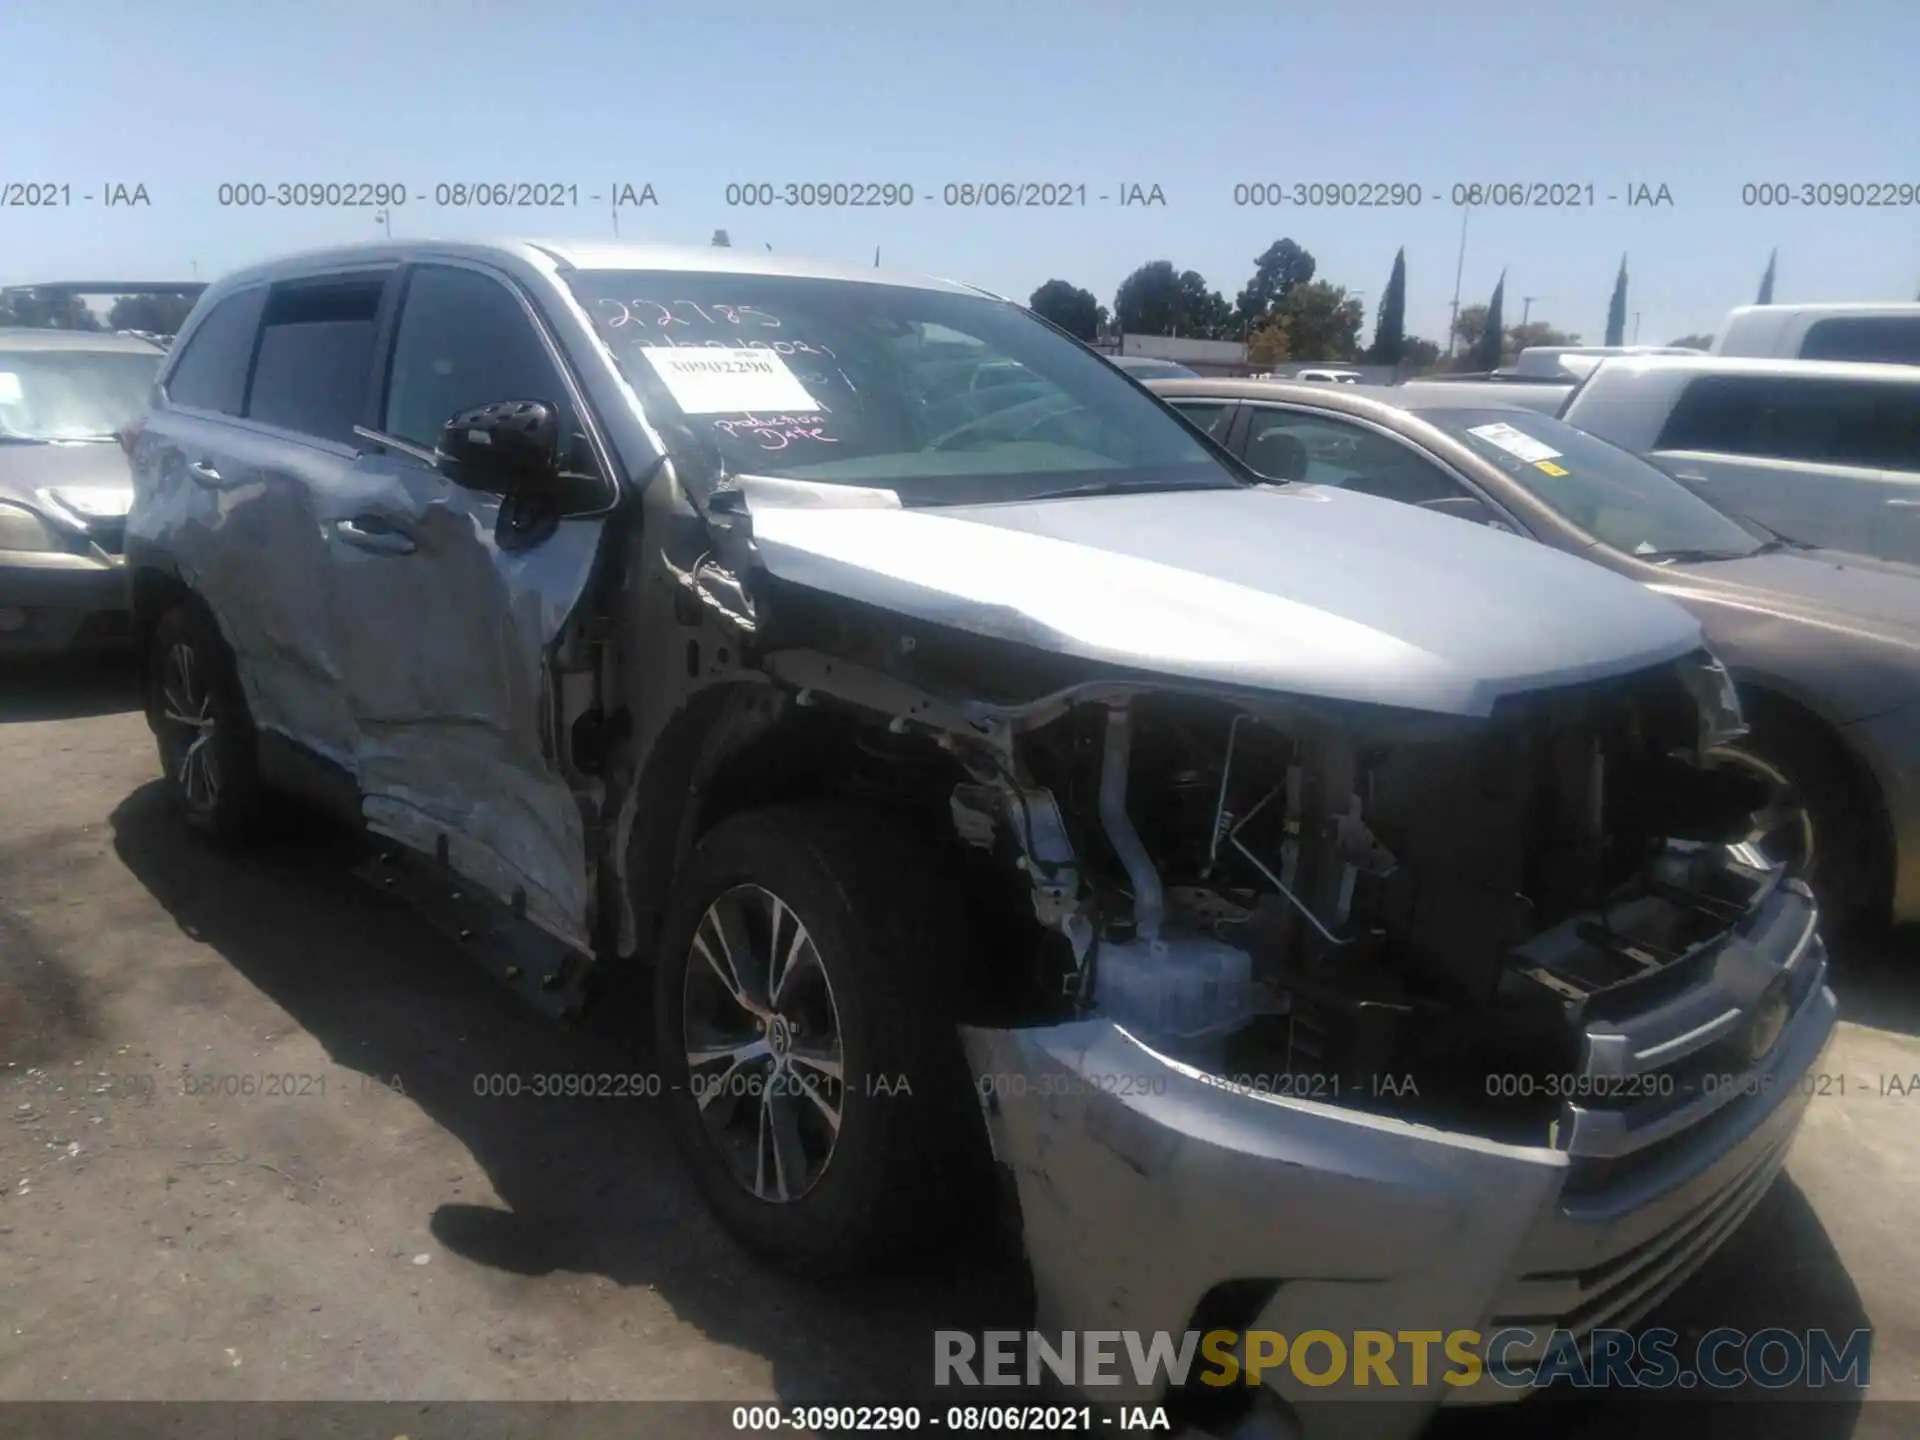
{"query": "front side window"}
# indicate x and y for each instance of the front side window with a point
(1210, 415)
(942, 398)
(1613, 495)
(211, 371)
(463, 340)
(49, 394)
(316, 356)
(1294, 445)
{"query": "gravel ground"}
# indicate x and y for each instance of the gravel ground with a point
(366, 1226)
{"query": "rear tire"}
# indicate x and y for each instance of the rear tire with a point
(828, 1116)
(201, 725)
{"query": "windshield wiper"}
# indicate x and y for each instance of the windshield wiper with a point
(1688, 557)
(1122, 487)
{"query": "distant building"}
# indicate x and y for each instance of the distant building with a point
(1203, 357)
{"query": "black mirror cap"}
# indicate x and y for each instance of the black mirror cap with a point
(501, 446)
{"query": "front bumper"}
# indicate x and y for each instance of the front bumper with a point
(1146, 1185)
(52, 603)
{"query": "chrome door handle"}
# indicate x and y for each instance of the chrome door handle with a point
(1693, 479)
(1905, 504)
(203, 473)
(371, 533)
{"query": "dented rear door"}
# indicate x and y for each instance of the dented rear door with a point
(449, 609)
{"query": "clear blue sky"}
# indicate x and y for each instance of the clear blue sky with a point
(1701, 96)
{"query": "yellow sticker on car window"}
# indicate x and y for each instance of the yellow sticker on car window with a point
(1547, 467)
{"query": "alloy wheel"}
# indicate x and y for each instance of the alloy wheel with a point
(186, 709)
(763, 1043)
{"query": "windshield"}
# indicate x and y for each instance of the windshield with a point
(1617, 497)
(72, 394)
(942, 398)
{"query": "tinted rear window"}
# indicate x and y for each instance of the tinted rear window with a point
(211, 372)
(1878, 339)
(1820, 421)
(316, 356)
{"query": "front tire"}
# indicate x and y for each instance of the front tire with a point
(201, 725)
(803, 1032)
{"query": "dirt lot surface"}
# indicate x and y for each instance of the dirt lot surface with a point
(342, 1216)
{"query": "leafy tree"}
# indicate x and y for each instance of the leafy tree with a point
(1468, 326)
(1323, 322)
(156, 314)
(1267, 341)
(721, 240)
(1617, 308)
(1389, 331)
(53, 311)
(1155, 300)
(1486, 352)
(1074, 310)
(1419, 355)
(1766, 280)
(1693, 342)
(1534, 332)
(1209, 316)
(1277, 269)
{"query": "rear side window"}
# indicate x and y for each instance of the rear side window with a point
(1822, 422)
(1876, 339)
(316, 356)
(211, 373)
(1210, 415)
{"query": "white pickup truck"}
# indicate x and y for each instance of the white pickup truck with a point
(1880, 334)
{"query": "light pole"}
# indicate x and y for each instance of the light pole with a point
(1526, 307)
(1636, 327)
(1453, 323)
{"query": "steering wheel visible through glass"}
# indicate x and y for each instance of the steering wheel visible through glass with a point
(1022, 421)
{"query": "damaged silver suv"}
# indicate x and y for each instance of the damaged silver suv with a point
(1317, 909)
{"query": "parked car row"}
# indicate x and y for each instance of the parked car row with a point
(68, 386)
(972, 768)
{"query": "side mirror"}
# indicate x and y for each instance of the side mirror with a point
(1469, 507)
(500, 448)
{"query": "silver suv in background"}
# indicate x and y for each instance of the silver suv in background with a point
(1823, 452)
(991, 776)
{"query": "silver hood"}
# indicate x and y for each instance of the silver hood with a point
(1299, 589)
(88, 481)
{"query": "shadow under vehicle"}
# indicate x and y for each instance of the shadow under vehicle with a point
(989, 783)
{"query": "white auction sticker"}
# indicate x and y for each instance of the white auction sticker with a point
(711, 380)
(1517, 443)
(10, 391)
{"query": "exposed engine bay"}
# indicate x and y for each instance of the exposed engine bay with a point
(1381, 909)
